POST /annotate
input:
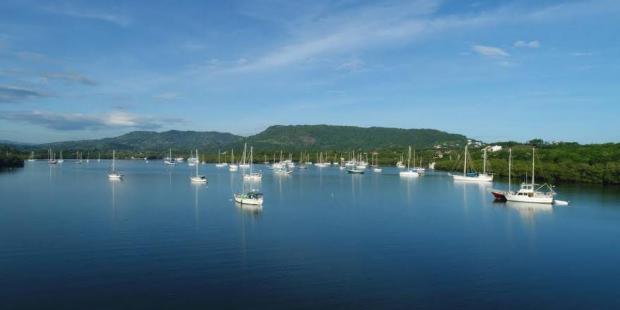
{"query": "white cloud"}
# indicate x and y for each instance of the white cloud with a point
(105, 16)
(530, 44)
(353, 64)
(167, 96)
(490, 51)
(79, 121)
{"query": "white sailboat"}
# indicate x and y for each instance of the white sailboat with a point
(220, 164)
(321, 163)
(31, 159)
(60, 160)
(529, 192)
(232, 167)
(52, 158)
(114, 175)
(169, 160)
(409, 173)
(252, 176)
(400, 164)
(198, 178)
(244, 164)
(251, 197)
(375, 165)
(474, 177)
(191, 161)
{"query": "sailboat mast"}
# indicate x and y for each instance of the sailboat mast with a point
(409, 158)
(465, 163)
(509, 169)
(198, 162)
(251, 159)
(484, 164)
(113, 160)
(533, 149)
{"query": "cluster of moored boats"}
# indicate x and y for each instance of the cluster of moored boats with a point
(529, 192)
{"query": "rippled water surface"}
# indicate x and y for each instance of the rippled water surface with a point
(72, 239)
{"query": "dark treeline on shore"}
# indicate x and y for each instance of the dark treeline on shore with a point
(556, 163)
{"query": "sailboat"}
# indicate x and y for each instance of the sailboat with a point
(252, 176)
(191, 161)
(244, 164)
(321, 163)
(251, 197)
(400, 164)
(474, 177)
(87, 157)
(61, 160)
(31, 159)
(266, 162)
(52, 158)
(232, 167)
(376, 168)
(220, 164)
(98, 157)
(198, 178)
(409, 173)
(169, 160)
(114, 175)
(529, 192)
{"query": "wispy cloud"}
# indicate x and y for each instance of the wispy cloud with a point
(490, 51)
(167, 96)
(31, 56)
(353, 64)
(323, 33)
(526, 44)
(14, 94)
(78, 121)
(99, 15)
(70, 77)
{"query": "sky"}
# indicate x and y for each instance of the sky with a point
(491, 70)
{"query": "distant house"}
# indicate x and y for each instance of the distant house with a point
(494, 148)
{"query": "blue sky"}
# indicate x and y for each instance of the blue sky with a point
(492, 70)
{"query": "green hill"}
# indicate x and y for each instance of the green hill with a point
(140, 141)
(343, 138)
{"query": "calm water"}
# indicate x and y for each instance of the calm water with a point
(72, 239)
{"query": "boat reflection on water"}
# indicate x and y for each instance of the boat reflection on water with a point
(255, 210)
(529, 210)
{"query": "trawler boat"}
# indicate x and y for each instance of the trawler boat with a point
(252, 176)
(474, 176)
(114, 175)
(529, 192)
(249, 198)
(409, 173)
(198, 178)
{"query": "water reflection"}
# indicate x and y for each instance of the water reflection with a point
(528, 211)
(254, 210)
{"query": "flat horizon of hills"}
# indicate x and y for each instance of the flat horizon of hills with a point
(287, 137)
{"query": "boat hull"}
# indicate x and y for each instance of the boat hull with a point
(201, 179)
(409, 174)
(248, 201)
(529, 199)
(479, 178)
